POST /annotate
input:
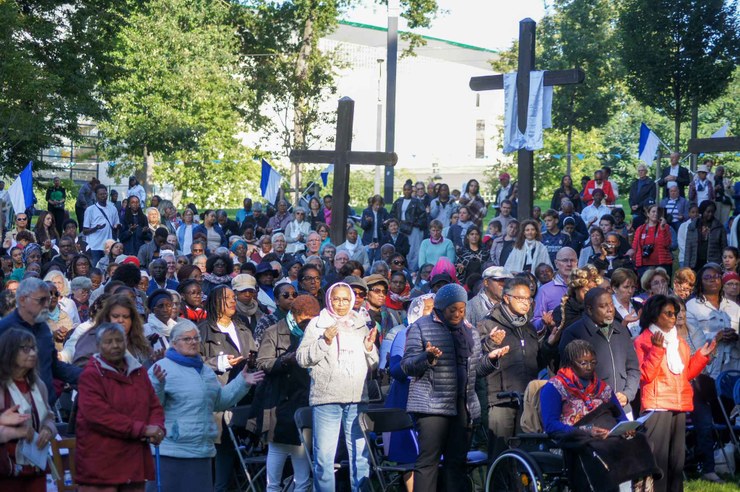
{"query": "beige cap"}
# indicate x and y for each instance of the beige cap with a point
(243, 282)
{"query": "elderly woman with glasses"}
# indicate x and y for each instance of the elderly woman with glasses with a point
(25, 410)
(190, 392)
(580, 408)
(339, 351)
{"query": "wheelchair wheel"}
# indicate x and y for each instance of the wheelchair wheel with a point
(514, 471)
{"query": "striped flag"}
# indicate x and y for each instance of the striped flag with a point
(270, 182)
(649, 143)
(20, 192)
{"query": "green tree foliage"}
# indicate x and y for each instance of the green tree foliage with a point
(678, 53)
(53, 56)
(580, 33)
(177, 99)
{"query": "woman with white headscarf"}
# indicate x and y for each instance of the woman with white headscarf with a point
(66, 303)
(339, 350)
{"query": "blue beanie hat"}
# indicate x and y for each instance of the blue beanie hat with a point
(448, 295)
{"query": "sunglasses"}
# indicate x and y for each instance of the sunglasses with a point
(19, 219)
(286, 295)
(399, 262)
(379, 291)
(360, 294)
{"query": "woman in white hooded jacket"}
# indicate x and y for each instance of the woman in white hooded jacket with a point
(339, 350)
(528, 250)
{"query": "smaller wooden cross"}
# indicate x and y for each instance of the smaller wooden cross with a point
(342, 156)
(525, 158)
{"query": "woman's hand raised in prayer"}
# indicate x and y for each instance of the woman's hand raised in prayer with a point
(370, 339)
(657, 339)
(433, 353)
(159, 373)
(708, 348)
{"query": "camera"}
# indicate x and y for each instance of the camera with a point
(647, 250)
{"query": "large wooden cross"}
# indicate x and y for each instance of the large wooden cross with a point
(342, 156)
(525, 158)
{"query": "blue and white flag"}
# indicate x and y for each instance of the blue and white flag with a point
(722, 132)
(649, 143)
(325, 174)
(270, 182)
(21, 191)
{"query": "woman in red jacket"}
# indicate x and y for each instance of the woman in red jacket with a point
(652, 243)
(119, 416)
(667, 369)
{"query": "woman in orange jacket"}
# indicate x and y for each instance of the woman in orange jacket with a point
(667, 369)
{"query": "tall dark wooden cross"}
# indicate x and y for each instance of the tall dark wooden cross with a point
(525, 158)
(342, 156)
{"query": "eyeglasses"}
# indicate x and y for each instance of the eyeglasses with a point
(360, 293)
(716, 276)
(399, 262)
(27, 349)
(189, 339)
(669, 314)
(311, 279)
(340, 300)
(285, 295)
(586, 364)
(182, 262)
(382, 292)
(567, 260)
(42, 300)
(18, 219)
(55, 294)
(520, 298)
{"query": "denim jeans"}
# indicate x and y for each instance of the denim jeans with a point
(327, 420)
(277, 453)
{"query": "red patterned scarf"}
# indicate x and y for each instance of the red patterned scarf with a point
(572, 384)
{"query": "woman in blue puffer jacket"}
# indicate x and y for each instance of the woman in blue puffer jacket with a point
(443, 356)
(190, 392)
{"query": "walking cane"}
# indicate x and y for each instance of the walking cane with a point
(157, 468)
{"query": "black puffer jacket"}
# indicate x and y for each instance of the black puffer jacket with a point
(433, 388)
(527, 355)
(286, 385)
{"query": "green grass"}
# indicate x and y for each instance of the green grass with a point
(702, 486)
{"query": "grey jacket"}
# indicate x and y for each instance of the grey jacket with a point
(339, 370)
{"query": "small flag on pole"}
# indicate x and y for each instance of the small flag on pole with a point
(722, 132)
(21, 191)
(325, 174)
(270, 182)
(649, 142)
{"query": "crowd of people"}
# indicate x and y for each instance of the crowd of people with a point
(142, 325)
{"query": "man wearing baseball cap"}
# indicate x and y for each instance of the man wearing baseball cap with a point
(490, 295)
(377, 290)
(248, 309)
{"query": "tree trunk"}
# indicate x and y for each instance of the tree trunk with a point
(571, 108)
(694, 128)
(569, 143)
(299, 104)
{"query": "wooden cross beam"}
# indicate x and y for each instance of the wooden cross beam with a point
(709, 145)
(342, 156)
(525, 158)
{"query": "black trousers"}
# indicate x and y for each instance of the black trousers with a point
(59, 217)
(443, 435)
(666, 432)
(80, 213)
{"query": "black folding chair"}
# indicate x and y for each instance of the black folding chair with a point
(252, 460)
(377, 421)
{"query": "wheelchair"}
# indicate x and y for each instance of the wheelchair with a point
(532, 463)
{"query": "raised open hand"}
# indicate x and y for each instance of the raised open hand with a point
(708, 348)
(253, 378)
(499, 352)
(657, 339)
(497, 335)
(370, 339)
(159, 373)
(330, 333)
